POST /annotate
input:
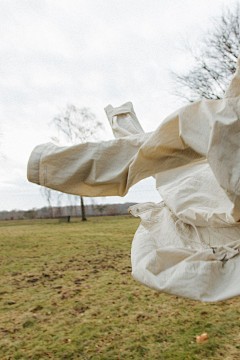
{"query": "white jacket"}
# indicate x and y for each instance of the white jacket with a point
(188, 244)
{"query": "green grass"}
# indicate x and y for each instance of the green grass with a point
(66, 292)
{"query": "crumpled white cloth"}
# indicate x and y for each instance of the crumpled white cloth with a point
(165, 261)
(187, 245)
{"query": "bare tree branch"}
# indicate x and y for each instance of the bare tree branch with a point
(215, 59)
(77, 125)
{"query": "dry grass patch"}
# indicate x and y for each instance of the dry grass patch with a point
(67, 293)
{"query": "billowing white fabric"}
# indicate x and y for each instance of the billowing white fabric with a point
(187, 245)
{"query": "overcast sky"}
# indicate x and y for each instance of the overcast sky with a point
(89, 53)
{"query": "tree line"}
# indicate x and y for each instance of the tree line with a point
(65, 211)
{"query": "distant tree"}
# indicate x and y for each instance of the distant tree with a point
(48, 195)
(100, 208)
(73, 201)
(215, 59)
(58, 208)
(113, 209)
(30, 214)
(77, 125)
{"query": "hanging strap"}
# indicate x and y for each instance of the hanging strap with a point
(222, 252)
(199, 242)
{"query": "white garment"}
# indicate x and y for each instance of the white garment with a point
(187, 245)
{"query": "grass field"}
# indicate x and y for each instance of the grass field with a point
(66, 292)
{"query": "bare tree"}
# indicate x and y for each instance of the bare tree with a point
(73, 201)
(77, 125)
(215, 59)
(59, 202)
(48, 195)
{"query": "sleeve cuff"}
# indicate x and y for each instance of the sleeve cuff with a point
(33, 168)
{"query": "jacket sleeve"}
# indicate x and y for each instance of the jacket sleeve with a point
(90, 169)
